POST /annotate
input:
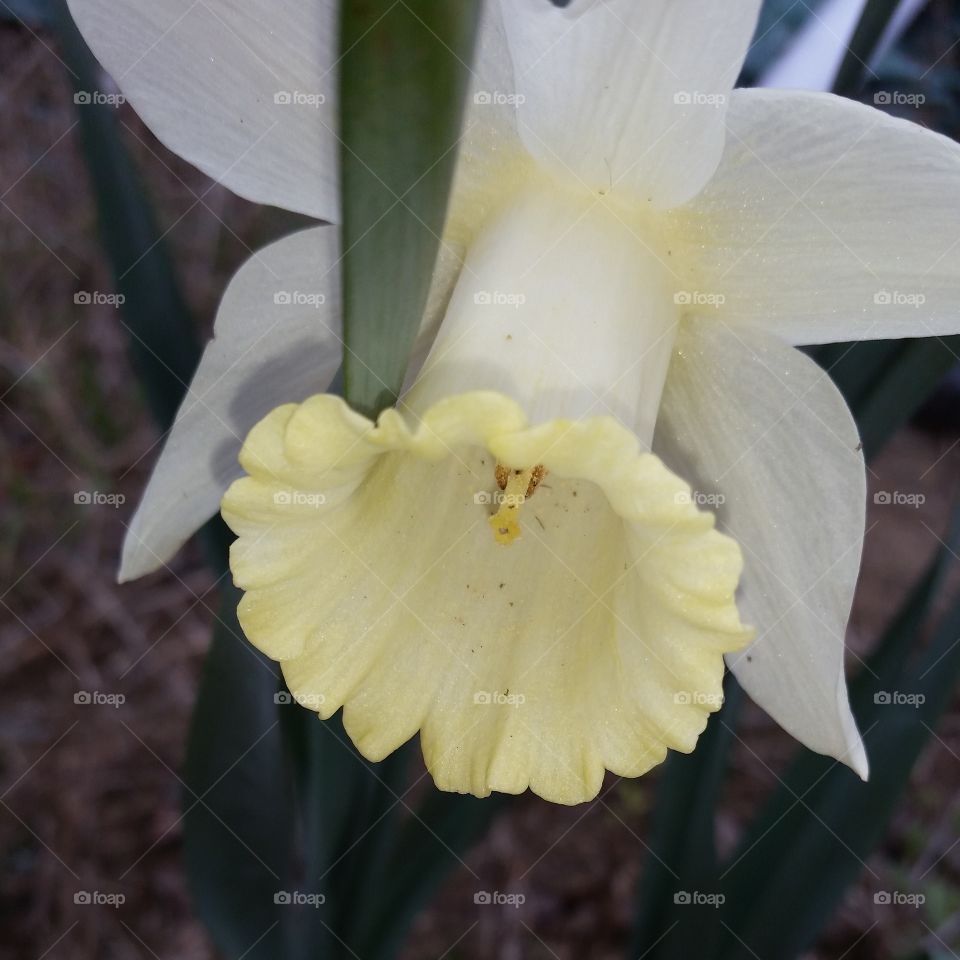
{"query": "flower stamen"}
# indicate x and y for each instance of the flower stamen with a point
(517, 486)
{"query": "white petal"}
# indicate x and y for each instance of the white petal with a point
(828, 220)
(760, 424)
(628, 96)
(276, 339)
(204, 77)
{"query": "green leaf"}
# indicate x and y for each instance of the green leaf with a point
(683, 856)
(816, 832)
(918, 368)
(886, 381)
(433, 841)
(856, 367)
(403, 74)
(238, 801)
(238, 809)
(347, 805)
(163, 338)
(362, 876)
(873, 21)
(31, 13)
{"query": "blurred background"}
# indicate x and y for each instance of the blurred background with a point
(98, 681)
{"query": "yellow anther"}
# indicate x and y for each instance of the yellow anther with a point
(516, 485)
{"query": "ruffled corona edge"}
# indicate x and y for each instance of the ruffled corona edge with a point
(370, 571)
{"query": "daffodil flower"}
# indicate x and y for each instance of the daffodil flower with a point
(508, 562)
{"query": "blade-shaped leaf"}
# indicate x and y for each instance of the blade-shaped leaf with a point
(886, 381)
(238, 811)
(32, 13)
(919, 366)
(433, 841)
(403, 74)
(856, 367)
(814, 835)
(682, 863)
(874, 20)
(346, 814)
(163, 337)
(238, 805)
